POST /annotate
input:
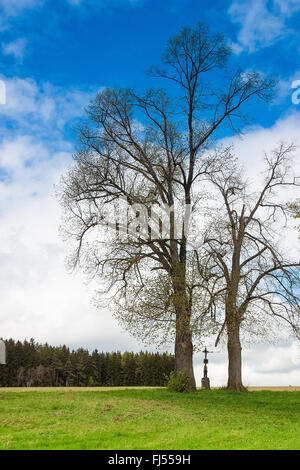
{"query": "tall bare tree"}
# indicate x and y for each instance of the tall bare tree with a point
(247, 271)
(149, 149)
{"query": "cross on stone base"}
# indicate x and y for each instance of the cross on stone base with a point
(205, 382)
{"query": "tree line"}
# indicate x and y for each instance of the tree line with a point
(30, 364)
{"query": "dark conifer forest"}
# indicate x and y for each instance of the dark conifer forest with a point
(30, 364)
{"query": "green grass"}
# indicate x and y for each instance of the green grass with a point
(149, 419)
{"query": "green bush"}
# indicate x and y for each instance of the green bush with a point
(178, 382)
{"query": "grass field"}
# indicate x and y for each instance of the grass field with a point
(138, 419)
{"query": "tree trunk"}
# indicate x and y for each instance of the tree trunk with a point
(234, 358)
(183, 339)
(184, 357)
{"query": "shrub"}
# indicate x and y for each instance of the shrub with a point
(178, 382)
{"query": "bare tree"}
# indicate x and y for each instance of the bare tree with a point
(247, 272)
(149, 149)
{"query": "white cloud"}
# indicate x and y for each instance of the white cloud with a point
(256, 140)
(92, 5)
(264, 366)
(96, 3)
(287, 7)
(15, 48)
(39, 298)
(13, 8)
(75, 2)
(262, 23)
(38, 107)
(10, 10)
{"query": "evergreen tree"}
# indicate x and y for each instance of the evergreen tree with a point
(32, 364)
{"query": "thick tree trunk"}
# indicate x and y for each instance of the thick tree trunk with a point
(234, 358)
(183, 339)
(184, 357)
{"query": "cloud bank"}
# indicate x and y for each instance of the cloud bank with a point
(39, 298)
(262, 23)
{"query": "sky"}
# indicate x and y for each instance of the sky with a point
(54, 56)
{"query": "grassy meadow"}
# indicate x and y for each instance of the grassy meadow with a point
(137, 419)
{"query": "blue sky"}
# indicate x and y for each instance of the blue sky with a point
(94, 43)
(54, 56)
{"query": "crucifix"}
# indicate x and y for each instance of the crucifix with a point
(205, 382)
(2, 352)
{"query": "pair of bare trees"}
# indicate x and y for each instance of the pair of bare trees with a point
(151, 151)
